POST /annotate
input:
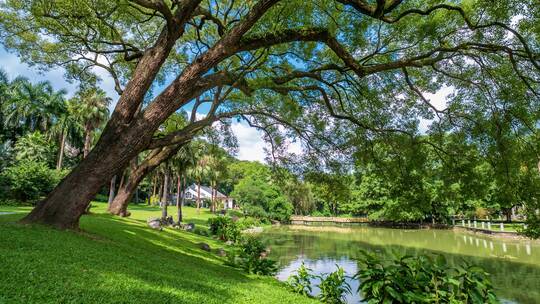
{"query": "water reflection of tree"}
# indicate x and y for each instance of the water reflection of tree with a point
(513, 279)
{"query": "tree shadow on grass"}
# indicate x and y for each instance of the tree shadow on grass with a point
(124, 262)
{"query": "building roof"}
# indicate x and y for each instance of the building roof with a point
(206, 189)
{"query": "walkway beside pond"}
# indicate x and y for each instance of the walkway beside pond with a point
(306, 220)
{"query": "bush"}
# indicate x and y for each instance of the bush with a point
(280, 209)
(201, 231)
(422, 279)
(224, 228)
(250, 255)
(29, 180)
(248, 222)
(334, 287)
(255, 211)
(301, 281)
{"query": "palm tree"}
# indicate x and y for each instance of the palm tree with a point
(66, 129)
(218, 169)
(33, 107)
(92, 110)
(4, 98)
(199, 172)
(183, 161)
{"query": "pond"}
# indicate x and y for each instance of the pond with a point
(514, 265)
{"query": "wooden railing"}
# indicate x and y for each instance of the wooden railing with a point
(296, 219)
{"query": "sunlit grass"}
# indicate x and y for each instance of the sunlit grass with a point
(120, 260)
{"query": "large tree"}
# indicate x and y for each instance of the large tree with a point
(300, 64)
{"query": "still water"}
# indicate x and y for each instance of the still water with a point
(514, 265)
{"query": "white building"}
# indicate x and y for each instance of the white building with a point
(191, 194)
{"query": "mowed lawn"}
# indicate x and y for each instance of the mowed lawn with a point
(120, 260)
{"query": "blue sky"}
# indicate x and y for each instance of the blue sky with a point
(251, 144)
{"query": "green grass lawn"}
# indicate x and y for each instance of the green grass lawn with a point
(120, 260)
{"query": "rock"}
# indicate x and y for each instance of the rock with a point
(168, 221)
(274, 222)
(235, 218)
(205, 247)
(188, 227)
(221, 252)
(154, 223)
(152, 219)
(253, 230)
(229, 243)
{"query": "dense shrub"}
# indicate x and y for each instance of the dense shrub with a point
(250, 255)
(255, 211)
(422, 279)
(407, 279)
(280, 209)
(35, 147)
(248, 222)
(334, 287)
(28, 180)
(201, 231)
(260, 198)
(301, 281)
(224, 228)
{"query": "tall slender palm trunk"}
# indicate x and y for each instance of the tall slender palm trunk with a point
(178, 194)
(112, 190)
(165, 196)
(155, 184)
(87, 140)
(61, 153)
(198, 196)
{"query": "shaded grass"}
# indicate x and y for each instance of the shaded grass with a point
(120, 260)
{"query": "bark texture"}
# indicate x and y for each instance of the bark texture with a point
(125, 193)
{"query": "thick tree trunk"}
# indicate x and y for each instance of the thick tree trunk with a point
(68, 201)
(508, 214)
(121, 200)
(61, 153)
(63, 207)
(122, 179)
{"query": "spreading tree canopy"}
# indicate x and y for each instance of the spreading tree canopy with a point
(329, 71)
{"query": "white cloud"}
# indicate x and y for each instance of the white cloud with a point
(439, 101)
(252, 146)
(250, 142)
